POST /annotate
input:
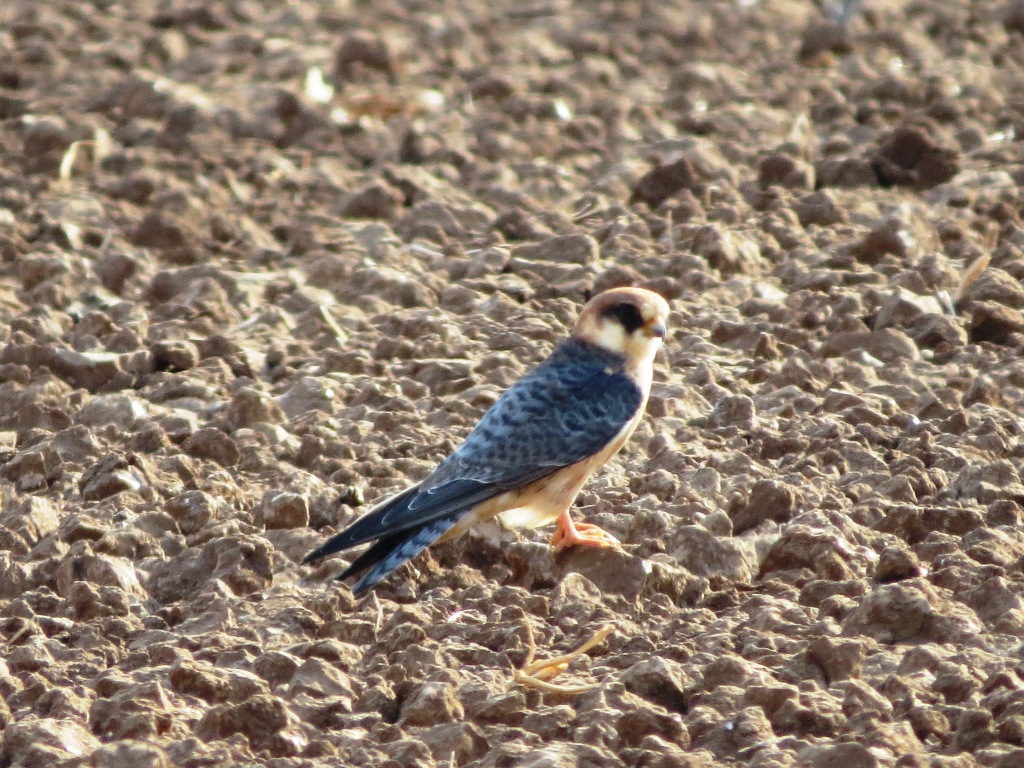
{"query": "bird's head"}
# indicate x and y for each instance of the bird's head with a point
(629, 321)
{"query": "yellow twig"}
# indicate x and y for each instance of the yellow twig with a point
(971, 274)
(536, 674)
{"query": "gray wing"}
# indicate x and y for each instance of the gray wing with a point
(565, 410)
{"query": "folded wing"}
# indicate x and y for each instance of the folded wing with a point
(565, 410)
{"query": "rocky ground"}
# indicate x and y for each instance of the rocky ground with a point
(263, 262)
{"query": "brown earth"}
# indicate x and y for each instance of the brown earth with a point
(262, 261)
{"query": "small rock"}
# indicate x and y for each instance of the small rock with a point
(532, 564)
(845, 755)
(885, 238)
(639, 720)
(1013, 18)
(778, 169)
(995, 285)
(455, 743)
(433, 220)
(726, 250)
(819, 208)
(768, 500)
(174, 355)
(121, 410)
(994, 323)
(166, 232)
(135, 188)
(517, 224)
(734, 411)
(100, 370)
(911, 610)
(322, 680)
(46, 742)
(902, 309)
(888, 345)
(14, 577)
(769, 697)
(491, 87)
(563, 249)
(409, 753)
(660, 753)
(939, 331)
(998, 604)
(974, 730)
(110, 475)
(31, 656)
(824, 550)
(431, 704)
(838, 658)
(910, 157)
(276, 667)
(374, 201)
(114, 270)
(610, 569)
(747, 729)
(718, 523)
(896, 563)
(80, 527)
(129, 754)
(213, 444)
(13, 104)
(616, 276)
(46, 135)
(250, 406)
(265, 720)
(241, 562)
(32, 518)
(99, 570)
(845, 171)
(361, 51)
(928, 721)
(824, 37)
(192, 510)
(308, 394)
(550, 723)
(566, 755)
(280, 509)
(663, 181)
(721, 561)
(661, 681)
(573, 590)
(195, 678)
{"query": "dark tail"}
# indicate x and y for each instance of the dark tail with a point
(355, 533)
(390, 552)
(398, 532)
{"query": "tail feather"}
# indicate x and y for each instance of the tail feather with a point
(374, 554)
(353, 535)
(389, 553)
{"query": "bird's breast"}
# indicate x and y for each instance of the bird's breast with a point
(542, 501)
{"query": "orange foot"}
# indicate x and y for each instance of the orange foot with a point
(570, 534)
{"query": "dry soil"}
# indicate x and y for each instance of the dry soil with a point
(264, 262)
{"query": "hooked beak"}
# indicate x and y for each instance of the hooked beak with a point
(656, 329)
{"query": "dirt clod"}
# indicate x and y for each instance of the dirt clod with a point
(263, 264)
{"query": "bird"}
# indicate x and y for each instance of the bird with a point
(530, 454)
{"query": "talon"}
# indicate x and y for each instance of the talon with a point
(570, 534)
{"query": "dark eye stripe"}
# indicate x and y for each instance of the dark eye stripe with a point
(627, 315)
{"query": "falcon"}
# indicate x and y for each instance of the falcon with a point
(532, 451)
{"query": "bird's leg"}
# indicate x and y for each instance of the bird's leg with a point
(570, 534)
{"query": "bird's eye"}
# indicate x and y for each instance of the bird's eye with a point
(627, 315)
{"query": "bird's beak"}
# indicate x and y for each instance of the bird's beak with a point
(656, 329)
